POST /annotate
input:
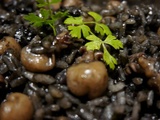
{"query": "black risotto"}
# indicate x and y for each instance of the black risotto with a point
(47, 77)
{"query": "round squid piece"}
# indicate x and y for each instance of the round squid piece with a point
(17, 106)
(36, 62)
(10, 43)
(87, 79)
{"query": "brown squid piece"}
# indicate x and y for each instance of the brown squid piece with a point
(10, 43)
(17, 106)
(36, 62)
(148, 66)
(87, 79)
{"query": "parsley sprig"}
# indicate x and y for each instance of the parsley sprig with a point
(46, 16)
(79, 28)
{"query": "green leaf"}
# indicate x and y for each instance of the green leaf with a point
(74, 20)
(102, 29)
(110, 60)
(35, 20)
(75, 31)
(55, 17)
(85, 30)
(106, 29)
(46, 18)
(93, 38)
(111, 40)
(96, 16)
(94, 45)
(99, 29)
(79, 28)
(45, 13)
(58, 15)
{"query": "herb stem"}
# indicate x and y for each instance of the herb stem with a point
(50, 12)
(49, 7)
(53, 28)
(92, 22)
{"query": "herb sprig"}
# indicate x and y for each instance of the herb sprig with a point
(46, 16)
(79, 28)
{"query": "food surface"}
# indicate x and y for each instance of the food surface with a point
(79, 60)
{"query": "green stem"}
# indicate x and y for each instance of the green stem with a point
(92, 33)
(90, 22)
(53, 28)
(49, 7)
(51, 16)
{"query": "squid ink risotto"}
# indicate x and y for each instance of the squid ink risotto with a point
(79, 60)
